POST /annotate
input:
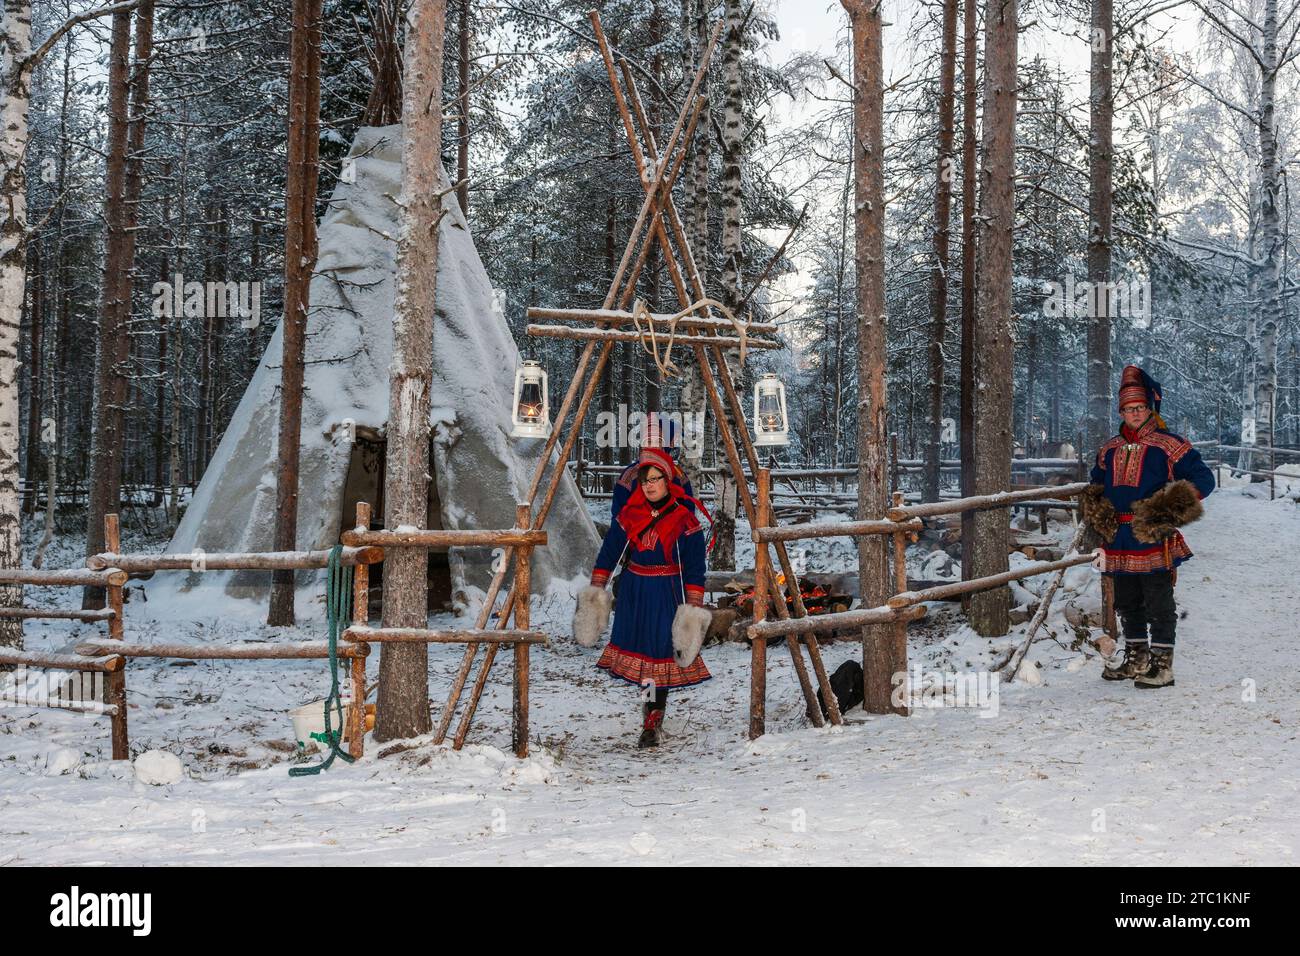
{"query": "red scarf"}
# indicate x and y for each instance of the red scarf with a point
(671, 517)
(1132, 435)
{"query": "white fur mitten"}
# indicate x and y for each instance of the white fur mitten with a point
(592, 615)
(689, 626)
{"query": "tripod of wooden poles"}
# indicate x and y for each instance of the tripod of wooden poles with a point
(657, 222)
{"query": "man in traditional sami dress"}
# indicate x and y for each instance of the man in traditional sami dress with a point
(1147, 483)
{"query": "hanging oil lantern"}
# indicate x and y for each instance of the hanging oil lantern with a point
(532, 416)
(771, 423)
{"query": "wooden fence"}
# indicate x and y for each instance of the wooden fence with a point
(362, 548)
(902, 522)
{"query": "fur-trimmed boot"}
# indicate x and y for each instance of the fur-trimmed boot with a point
(652, 718)
(1137, 659)
(1161, 671)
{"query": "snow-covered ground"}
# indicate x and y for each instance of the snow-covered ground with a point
(1069, 769)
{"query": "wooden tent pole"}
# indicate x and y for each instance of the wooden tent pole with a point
(742, 486)
(661, 185)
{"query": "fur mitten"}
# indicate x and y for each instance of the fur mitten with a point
(592, 615)
(1159, 516)
(1098, 513)
(689, 626)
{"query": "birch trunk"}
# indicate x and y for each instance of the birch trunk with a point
(695, 30)
(994, 346)
(1270, 281)
(17, 39)
(36, 312)
(403, 705)
(733, 253)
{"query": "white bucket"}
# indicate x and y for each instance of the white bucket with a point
(310, 719)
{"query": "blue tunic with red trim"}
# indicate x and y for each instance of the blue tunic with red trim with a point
(652, 586)
(1133, 466)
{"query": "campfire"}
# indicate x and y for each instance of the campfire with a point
(817, 599)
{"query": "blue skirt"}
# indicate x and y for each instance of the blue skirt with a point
(641, 647)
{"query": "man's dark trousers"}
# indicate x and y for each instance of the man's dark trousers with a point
(1142, 599)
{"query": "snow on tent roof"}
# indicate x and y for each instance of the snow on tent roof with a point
(480, 471)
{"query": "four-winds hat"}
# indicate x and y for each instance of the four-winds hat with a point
(1136, 385)
(662, 460)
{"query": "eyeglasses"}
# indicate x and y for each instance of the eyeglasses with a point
(651, 481)
(1133, 408)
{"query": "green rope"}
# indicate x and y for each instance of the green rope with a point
(338, 604)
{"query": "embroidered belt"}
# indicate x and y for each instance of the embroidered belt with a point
(654, 570)
(1123, 517)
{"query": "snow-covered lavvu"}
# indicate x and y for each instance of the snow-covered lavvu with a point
(1059, 767)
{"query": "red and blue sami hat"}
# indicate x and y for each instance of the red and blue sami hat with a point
(1135, 385)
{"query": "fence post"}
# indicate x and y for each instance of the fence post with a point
(116, 683)
(758, 645)
(360, 617)
(899, 631)
(523, 586)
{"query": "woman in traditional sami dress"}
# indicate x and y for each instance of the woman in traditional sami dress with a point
(660, 623)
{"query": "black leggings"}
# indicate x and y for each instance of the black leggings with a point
(1147, 599)
(661, 699)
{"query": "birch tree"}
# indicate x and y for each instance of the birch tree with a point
(19, 62)
(733, 137)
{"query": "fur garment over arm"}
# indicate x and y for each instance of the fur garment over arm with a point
(1098, 513)
(689, 626)
(1164, 512)
(592, 615)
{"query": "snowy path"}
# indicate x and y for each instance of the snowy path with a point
(1073, 771)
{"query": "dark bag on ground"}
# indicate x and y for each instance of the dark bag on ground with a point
(846, 682)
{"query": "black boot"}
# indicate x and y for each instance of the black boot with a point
(1137, 659)
(1161, 671)
(652, 718)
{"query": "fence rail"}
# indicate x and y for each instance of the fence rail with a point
(902, 522)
